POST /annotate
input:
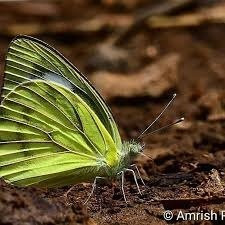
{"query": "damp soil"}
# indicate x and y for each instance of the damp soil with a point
(184, 169)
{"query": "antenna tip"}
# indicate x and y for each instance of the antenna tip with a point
(179, 120)
(174, 95)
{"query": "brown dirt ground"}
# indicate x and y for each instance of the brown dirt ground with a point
(187, 172)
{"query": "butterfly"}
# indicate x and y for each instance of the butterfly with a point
(55, 128)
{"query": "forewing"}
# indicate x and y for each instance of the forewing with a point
(50, 137)
(29, 59)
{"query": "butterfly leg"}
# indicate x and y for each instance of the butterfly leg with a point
(135, 179)
(122, 185)
(93, 188)
(66, 193)
(139, 174)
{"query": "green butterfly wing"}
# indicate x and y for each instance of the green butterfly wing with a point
(29, 58)
(55, 129)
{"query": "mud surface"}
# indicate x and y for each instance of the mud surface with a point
(188, 160)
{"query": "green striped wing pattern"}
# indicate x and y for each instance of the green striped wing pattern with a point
(55, 129)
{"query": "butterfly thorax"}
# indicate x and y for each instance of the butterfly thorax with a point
(130, 149)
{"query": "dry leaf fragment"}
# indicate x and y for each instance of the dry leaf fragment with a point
(154, 80)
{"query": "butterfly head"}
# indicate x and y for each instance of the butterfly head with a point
(132, 148)
(135, 148)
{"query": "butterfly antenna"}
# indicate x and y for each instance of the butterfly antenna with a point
(164, 127)
(158, 117)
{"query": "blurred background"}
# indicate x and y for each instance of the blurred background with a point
(137, 53)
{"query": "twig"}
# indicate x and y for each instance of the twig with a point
(212, 15)
(162, 8)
